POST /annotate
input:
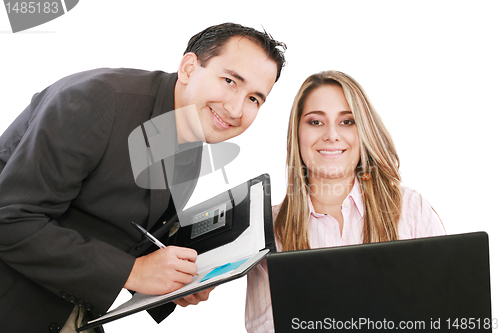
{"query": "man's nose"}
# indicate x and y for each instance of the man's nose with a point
(235, 106)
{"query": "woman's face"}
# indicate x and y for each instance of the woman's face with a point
(328, 136)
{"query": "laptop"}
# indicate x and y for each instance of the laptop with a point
(425, 285)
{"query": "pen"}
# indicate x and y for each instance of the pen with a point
(148, 235)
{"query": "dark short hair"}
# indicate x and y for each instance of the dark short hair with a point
(209, 43)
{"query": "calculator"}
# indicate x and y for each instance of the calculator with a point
(208, 220)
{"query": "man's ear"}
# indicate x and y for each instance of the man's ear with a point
(188, 64)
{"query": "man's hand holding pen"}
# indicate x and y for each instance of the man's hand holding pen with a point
(165, 271)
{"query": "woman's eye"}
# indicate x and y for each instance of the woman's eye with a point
(347, 122)
(315, 122)
(228, 80)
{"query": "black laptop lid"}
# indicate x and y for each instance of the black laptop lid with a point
(427, 284)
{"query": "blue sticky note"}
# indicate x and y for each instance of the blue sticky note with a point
(223, 269)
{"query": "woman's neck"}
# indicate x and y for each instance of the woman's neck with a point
(330, 191)
(328, 194)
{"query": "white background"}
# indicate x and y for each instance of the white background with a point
(431, 69)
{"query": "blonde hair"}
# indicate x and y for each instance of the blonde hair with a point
(382, 196)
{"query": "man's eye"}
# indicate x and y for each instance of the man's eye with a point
(228, 80)
(254, 100)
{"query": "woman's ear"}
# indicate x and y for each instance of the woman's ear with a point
(188, 65)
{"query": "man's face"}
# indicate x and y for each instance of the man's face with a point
(230, 89)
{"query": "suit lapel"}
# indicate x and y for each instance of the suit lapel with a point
(175, 170)
(162, 133)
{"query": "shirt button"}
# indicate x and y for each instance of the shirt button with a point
(89, 307)
(347, 204)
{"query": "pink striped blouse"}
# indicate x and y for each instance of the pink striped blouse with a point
(418, 219)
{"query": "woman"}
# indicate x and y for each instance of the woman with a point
(344, 185)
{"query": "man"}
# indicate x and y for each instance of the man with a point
(67, 188)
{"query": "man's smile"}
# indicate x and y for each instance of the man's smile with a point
(219, 118)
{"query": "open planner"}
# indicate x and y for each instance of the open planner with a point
(232, 232)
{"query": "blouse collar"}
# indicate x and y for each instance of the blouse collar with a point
(353, 196)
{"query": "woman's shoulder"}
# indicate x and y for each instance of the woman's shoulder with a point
(418, 217)
(412, 199)
(410, 195)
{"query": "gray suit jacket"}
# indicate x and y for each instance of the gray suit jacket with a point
(67, 195)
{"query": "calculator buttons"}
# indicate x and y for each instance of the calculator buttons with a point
(208, 220)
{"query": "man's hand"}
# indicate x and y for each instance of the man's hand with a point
(163, 271)
(194, 299)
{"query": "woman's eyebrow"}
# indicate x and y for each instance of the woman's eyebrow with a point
(345, 112)
(322, 113)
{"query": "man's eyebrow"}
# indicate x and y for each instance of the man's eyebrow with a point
(236, 75)
(242, 79)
